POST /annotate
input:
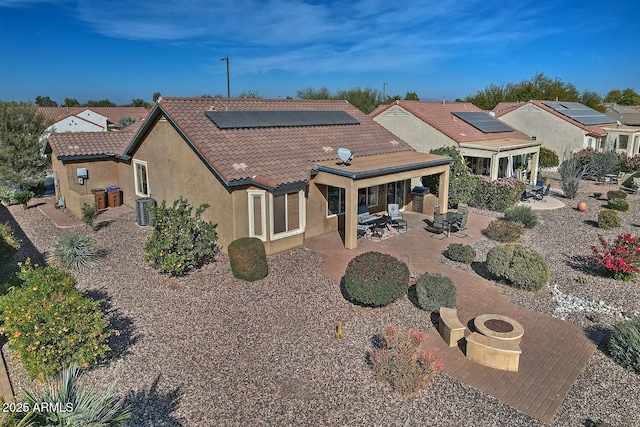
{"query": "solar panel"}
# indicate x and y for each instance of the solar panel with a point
(580, 113)
(483, 122)
(267, 119)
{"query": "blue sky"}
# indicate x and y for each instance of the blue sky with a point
(96, 49)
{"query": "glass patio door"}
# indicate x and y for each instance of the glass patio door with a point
(396, 193)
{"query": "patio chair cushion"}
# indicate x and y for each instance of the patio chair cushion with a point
(366, 217)
(394, 211)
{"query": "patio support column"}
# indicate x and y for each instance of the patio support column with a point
(495, 162)
(534, 166)
(443, 191)
(351, 216)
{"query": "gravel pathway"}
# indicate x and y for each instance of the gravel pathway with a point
(209, 349)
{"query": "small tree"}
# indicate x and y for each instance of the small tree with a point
(548, 158)
(603, 163)
(571, 174)
(180, 241)
(90, 214)
(461, 184)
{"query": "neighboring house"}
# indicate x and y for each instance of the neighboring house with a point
(267, 168)
(559, 126)
(89, 119)
(483, 141)
(624, 139)
(625, 114)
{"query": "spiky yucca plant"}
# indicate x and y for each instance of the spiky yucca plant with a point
(75, 250)
(71, 403)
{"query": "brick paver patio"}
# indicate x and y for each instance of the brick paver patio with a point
(554, 352)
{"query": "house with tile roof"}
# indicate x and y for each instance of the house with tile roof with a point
(625, 114)
(483, 141)
(89, 119)
(267, 168)
(571, 126)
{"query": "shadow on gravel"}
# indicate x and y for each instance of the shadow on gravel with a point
(581, 263)
(27, 249)
(591, 223)
(125, 336)
(151, 408)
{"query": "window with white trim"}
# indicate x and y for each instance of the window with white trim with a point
(335, 200)
(257, 214)
(287, 214)
(624, 142)
(141, 178)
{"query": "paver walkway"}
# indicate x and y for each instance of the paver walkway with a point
(554, 352)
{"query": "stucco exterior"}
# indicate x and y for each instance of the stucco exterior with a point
(553, 132)
(624, 139)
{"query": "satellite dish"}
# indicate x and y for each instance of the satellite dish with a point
(618, 122)
(492, 114)
(345, 155)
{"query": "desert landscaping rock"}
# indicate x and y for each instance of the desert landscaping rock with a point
(211, 350)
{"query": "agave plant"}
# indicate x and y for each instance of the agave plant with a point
(23, 197)
(6, 195)
(69, 402)
(74, 250)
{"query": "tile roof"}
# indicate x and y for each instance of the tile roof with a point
(271, 157)
(627, 114)
(506, 107)
(439, 116)
(113, 114)
(87, 144)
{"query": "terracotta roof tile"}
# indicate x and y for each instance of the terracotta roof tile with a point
(275, 156)
(114, 114)
(439, 116)
(71, 144)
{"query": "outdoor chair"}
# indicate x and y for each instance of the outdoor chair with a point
(394, 211)
(438, 224)
(636, 184)
(619, 178)
(461, 224)
(526, 195)
(541, 194)
(539, 182)
(364, 216)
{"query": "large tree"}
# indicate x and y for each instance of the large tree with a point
(71, 102)
(312, 93)
(45, 101)
(623, 97)
(21, 127)
(366, 100)
(100, 103)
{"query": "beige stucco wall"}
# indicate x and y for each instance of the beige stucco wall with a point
(553, 132)
(413, 130)
(101, 173)
(633, 143)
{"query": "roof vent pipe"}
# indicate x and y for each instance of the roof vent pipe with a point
(443, 100)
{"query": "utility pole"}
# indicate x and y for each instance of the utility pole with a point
(228, 81)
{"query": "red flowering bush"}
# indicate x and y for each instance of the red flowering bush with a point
(403, 360)
(621, 258)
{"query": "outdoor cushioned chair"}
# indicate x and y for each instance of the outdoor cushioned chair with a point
(394, 211)
(619, 178)
(539, 182)
(438, 224)
(540, 195)
(364, 216)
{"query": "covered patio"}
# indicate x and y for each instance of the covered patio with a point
(496, 153)
(370, 171)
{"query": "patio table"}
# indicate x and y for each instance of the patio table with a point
(448, 219)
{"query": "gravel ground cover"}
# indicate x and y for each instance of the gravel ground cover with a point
(209, 349)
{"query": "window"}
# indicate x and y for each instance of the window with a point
(257, 214)
(287, 214)
(335, 201)
(141, 178)
(368, 196)
(624, 142)
(590, 143)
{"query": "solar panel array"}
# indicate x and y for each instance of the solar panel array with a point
(269, 119)
(483, 122)
(580, 113)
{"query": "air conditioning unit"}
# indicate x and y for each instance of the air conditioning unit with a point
(143, 214)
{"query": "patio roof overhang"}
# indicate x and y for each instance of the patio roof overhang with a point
(380, 169)
(500, 145)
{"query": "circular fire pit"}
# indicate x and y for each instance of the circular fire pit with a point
(499, 327)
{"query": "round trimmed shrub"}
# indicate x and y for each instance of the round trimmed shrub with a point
(248, 259)
(376, 279)
(461, 253)
(434, 290)
(522, 267)
(616, 194)
(609, 219)
(523, 214)
(504, 231)
(623, 344)
(618, 204)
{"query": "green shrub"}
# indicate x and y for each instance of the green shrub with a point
(461, 253)
(23, 197)
(74, 249)
(616, 194)
(376, 279)
(434, 290)
(496, 195)
(461, 185)
(403, 360)
(520, 266)
(623, 344)
(504, 231)
(90, 405)
(618, 204)
(8, 243)
(523, 214)
(6, 194)
(90, 214)
(248, 259)
(609, 219)
(548, 158)
(50, 324)
(180, 241)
